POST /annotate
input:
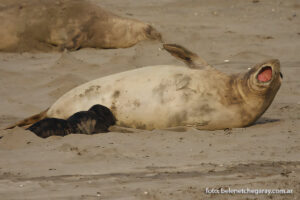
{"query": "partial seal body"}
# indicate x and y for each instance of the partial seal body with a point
(154, 97)
(158, 97)
(28, 25)
(164, 96)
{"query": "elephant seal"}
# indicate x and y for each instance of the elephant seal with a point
(96, 120)
(165, 96)
(41, 25)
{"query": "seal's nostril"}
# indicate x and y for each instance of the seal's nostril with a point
(281, 75)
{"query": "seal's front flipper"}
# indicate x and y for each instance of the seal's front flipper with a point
(191, 59)
(50, 126)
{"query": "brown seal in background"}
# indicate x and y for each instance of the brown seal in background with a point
(29, 25)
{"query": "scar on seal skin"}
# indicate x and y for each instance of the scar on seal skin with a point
(96, 120)
(55, 25)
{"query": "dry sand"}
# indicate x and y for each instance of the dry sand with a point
(160, 164)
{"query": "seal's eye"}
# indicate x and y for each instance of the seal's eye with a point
(265, 74)
(281, 75)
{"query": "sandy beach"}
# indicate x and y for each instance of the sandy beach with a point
(183, 163)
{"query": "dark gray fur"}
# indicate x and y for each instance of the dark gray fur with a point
(96, 120)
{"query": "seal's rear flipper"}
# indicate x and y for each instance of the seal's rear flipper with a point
(191, 59)
(152, 33)
(50, 126)
(30, 120)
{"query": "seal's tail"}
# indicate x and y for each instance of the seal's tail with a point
(30, 120)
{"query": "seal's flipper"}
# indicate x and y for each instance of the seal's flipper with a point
(152, 33)
(30, 120)
(50, 126)
(191, 59)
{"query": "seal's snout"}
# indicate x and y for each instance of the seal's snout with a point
(273, 63)
(276, 62)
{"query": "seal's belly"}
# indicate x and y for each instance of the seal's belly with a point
(148, 98)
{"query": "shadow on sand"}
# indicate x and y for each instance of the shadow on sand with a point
(264, 120)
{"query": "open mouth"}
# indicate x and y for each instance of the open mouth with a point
(265, 74)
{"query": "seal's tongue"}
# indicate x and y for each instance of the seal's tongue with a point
(265, 74)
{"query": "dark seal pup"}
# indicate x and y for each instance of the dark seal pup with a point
(48, 25)
(164, 96)
(96, 120)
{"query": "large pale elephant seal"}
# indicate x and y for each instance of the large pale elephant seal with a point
(164, 96)
(46, 25)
